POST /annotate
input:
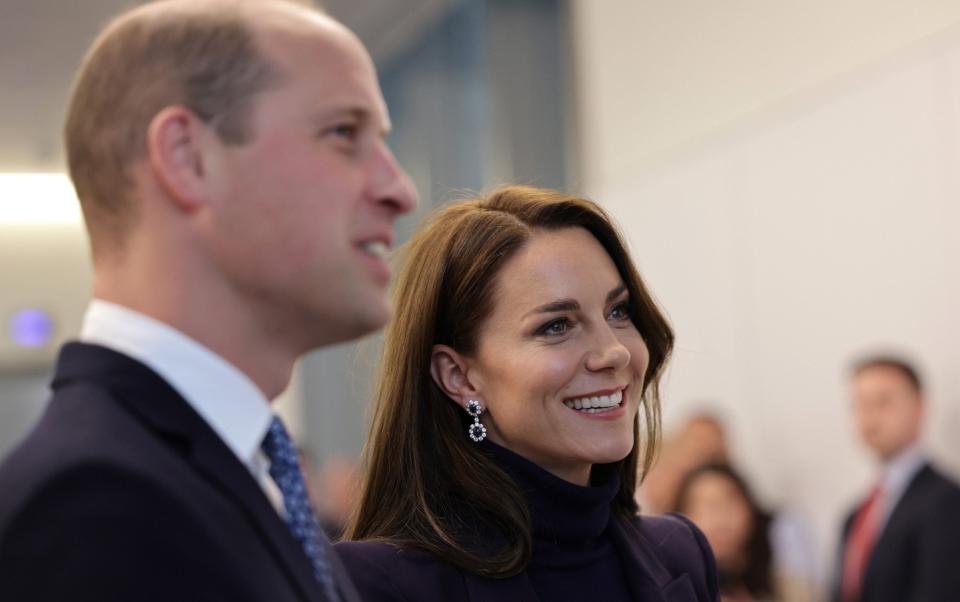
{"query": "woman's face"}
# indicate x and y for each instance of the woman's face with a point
(716, 505)
(559, 364)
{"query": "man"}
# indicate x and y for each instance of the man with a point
(230, 161)
(902, 543)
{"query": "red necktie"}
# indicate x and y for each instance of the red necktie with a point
(863, 534)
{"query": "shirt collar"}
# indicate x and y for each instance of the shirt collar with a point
(220, 393)
(900, 470)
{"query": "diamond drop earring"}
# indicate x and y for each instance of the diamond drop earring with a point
(477, 431)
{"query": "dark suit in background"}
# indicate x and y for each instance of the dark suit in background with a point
(153, 504)
(916, 557)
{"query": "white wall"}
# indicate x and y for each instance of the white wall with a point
(787, 239)
(658, 75)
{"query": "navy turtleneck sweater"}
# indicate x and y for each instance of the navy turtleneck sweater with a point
(573, 555)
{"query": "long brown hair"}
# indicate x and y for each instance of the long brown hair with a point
(427, 486)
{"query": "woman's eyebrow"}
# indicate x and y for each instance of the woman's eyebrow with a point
(555, 306)
(571, 304)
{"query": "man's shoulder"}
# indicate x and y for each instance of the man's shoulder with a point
(89, 487)
(926, 490)
(80, 423)
(941, 481)
(94, 513)
(72, 460)
(928, 510)
(937, 495)
(93, 504)
(86, 441)
(77, 509)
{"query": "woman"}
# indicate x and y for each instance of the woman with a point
(505, 441)
(718, 500)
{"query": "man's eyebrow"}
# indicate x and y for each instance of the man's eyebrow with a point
(348, 111)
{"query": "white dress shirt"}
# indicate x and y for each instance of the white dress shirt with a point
(896, 476)
(221, 394)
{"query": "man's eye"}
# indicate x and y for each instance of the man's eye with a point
(345, 130)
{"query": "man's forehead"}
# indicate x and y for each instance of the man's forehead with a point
(328, 58)
(881, 375)
(278, 26)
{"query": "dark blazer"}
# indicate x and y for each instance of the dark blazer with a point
(666, 559)
(917, 555)
(123, 493)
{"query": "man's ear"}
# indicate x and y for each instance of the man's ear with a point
(451, 371)
(175, 153)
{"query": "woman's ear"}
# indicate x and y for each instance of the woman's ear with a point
(451, 371)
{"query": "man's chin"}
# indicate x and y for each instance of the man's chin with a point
(368, 320)
(352, 317)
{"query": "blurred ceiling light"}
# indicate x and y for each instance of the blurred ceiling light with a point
(38, 198)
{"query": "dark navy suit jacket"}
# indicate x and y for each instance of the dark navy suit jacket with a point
(123, 493)
(917, 556)
(666, 559)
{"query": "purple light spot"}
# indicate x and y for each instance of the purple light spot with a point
(31, 327)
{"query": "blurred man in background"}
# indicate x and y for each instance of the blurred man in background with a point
(901, 543)
(230, 162)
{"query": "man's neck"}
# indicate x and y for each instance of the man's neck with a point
(221, 327)
(906, 453)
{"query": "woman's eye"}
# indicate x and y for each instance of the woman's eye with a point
(620, 312)
(554, 327)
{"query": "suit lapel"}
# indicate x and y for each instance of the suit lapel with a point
(160, 407)
(646, 575)
(215, 461)
(889, 529)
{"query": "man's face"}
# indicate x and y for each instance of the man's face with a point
(304, 210)
(887, 409)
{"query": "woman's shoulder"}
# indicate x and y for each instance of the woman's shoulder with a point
(680, 547)
(385, 571)
(668, 528)
(675, 539)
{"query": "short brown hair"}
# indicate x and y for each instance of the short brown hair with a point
(426, 485)
(892, 362)
(161, 54)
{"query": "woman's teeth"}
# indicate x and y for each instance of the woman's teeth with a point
(597, 404)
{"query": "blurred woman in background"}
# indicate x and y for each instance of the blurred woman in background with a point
(718, 500)
(505, 444)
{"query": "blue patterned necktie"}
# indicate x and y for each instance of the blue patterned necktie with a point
(285, 470)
